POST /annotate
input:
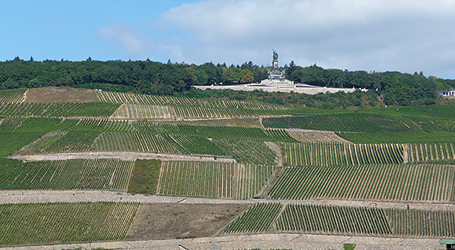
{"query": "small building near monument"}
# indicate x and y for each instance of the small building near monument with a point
(450, 92)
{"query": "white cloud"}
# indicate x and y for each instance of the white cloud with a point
(376, 35)
(134, 43)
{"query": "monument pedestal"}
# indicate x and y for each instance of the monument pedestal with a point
(276, 76)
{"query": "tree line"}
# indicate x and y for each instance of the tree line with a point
(149, 77)
(145, 77)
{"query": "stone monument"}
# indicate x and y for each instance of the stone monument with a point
(276, 82)
(276, 76)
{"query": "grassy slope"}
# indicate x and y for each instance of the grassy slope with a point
(144, 179)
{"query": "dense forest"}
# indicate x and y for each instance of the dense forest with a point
(148, 77)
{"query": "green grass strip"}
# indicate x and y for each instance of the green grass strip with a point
(144, 179)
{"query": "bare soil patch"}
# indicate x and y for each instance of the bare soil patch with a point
(168, 221)
(61, 94)
(306, 135)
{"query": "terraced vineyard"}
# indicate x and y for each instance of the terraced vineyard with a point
(352, 122)
(394, 157)
(225, 132)
(88, 124)
(367, 182)
(196, 145)
(212, 179)
(344, 220)
(133, 142)
(342, 153)
(134, 111)
(12, 95)
(279, 135)
(13, 141)
(164, 107)
(209, 112)
(66, 174)
(64, 124)
(57, 109)
(61, 142)
(257, 218)
(430, 152)
(115, 97)
(432, 125)
(315, 136)
(229, 132)
(430, 111)
(10, 124)
(43, 124)
(412, 223)
(157, 128)
(322, 219)
(249, 151)
(25, 223)
(317, 219)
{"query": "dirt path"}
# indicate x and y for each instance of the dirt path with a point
(24, 97)
(260, 122)
(127, 156)
(43, 196)
(258, 241)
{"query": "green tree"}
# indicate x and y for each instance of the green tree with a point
(34, 83)
(231, 76)
(246, 76)
(296, 76)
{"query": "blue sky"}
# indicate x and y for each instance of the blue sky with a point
(373, 35)
(73, 30)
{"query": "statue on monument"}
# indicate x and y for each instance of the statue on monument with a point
(276, 77)
(275, 55)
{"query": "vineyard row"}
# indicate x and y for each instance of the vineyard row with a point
(243, 151)
(367, 182)
(212, 179)
(39, 124)
(330, 153)
(12, 95)
(351, 122)
(65, 222)
(66, 174)
(323, 219)
(115, 97)
(342, 153)
(57, 109)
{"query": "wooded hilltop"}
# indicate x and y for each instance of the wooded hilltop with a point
(149, 77)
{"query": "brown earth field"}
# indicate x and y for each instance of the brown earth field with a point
(168, 221)
(307, 135)
(61, 94)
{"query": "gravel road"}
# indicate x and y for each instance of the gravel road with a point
(43, 196)
(260, 241)
(126, 156)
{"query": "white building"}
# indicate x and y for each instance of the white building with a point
(450, 92)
